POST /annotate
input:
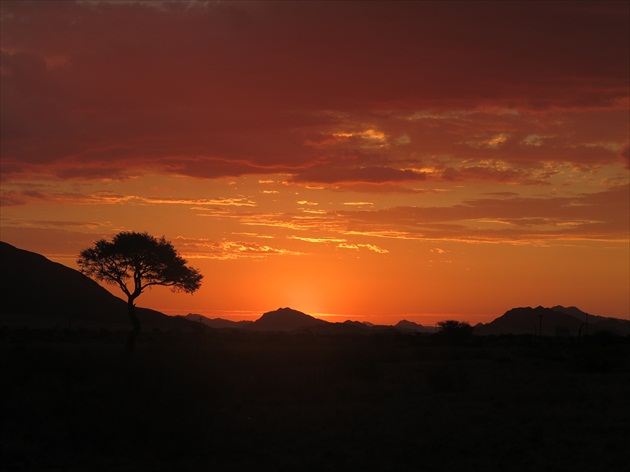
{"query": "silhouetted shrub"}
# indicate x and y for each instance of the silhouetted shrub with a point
(454, 330)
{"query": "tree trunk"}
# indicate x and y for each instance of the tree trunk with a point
(135, 330)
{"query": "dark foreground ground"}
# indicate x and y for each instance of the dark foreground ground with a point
(270, 402)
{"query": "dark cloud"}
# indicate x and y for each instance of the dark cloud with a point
(230, 88)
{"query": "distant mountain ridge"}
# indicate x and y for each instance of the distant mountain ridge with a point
(555, 321)
(289, 320)
(216, 323)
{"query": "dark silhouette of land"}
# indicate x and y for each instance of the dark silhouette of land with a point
(290, 392)
(556, 321)
(288, 320)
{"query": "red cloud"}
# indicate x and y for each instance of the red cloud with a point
(625, 156)
(95, 89)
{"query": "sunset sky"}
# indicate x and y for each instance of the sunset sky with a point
(372, 161)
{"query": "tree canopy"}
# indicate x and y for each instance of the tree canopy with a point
(135, 261)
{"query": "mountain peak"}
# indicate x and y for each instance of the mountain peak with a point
(407, 326)
(286, 319)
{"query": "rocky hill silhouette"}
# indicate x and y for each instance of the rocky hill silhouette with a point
(286, 319)
(37, 292)
(555, 321)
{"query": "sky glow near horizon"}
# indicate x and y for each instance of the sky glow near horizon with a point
(366, 160)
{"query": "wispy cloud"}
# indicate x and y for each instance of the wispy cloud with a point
(226, 201)
(23, 197)
(54, 224)
(223, 250)
(318, 240)
(371, 247)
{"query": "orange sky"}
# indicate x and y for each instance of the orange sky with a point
(372, 161)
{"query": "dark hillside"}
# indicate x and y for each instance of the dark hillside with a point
(529, 320)
(39, 292)
(597, 323)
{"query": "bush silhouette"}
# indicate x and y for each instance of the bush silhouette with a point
(455, 330)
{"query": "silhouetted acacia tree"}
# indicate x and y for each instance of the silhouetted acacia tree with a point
(135, 261)
(455, 330)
